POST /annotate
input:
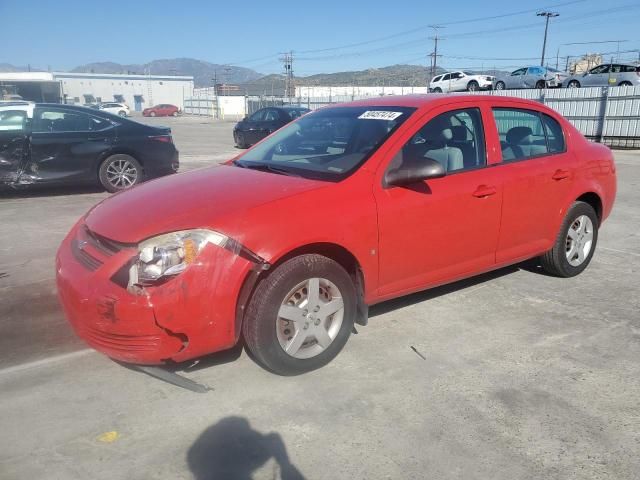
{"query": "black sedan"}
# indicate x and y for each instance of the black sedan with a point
(67, 145)
(264, 122)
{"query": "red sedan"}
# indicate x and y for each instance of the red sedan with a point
(348, 206)
(162, 110)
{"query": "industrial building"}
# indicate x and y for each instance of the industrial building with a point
(137, 91)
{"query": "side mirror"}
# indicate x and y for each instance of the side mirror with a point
(414, 169)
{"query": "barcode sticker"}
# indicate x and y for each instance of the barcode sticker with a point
(379, 115)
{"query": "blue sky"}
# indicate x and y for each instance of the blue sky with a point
(325, 36)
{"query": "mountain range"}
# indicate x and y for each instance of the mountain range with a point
(205, 73)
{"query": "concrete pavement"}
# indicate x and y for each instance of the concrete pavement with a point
(526, 377)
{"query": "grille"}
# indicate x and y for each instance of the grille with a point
(104, 245)
(89, 261)
(121, 343)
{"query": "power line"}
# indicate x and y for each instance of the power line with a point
(422, 27)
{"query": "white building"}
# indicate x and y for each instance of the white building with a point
(138, 91)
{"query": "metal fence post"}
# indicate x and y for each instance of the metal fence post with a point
(605, 103)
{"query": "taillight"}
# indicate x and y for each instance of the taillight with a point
(162, 138)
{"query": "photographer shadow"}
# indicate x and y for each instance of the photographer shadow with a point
(231, 450)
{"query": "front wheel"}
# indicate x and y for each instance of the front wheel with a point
(122, 113)
(573, 84)
(625, 84)
(300, 316)
(119, 172)
(575, 244)
(500, 86)
(540, 84)
(152, 114)
(175, 114)
(437, 90)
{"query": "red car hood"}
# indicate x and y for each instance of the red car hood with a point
(213, 198)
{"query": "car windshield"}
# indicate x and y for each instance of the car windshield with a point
(327, 144)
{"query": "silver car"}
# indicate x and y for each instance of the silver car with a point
(607, 74)
(531, 77)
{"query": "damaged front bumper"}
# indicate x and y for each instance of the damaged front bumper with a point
(185, 317)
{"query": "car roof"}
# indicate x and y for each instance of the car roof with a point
(430, 100)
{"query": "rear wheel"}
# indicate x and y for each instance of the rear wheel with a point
(300, 317)
(472, 86)
(500, 86)
(575, 244)
(119, 172)
(624, 84)
(175, 114)
(152, 114)
(573, 84)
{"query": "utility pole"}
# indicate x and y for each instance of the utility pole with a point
(434, 55)
(287, 60)
(547, 16)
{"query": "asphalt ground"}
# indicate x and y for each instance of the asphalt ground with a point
(510, 375)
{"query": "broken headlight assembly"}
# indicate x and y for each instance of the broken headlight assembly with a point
(170, 254)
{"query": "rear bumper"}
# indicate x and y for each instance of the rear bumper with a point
(188, 316)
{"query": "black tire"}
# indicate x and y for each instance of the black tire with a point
(555, 261)
(500, 86)
(473, 86)
(122, 113)
(240, 141)
(117, 160)
(437, 90)
(260, 322)
(540, 84)
(625, 84)
(573, 84)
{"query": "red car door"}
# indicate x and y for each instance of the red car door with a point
(445, 228)
(537, 176)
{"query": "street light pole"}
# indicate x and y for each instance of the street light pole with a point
(547, 16)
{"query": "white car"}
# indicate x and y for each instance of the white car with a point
(460, 81)
(121, 109)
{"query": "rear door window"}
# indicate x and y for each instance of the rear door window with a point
(521, 132)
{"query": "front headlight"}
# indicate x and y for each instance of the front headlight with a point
(169, 254)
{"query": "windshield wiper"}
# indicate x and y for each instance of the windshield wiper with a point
(265, 167)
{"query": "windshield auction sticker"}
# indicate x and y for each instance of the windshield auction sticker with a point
(379, 115)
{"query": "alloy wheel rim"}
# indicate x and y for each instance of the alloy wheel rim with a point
(310, 318)
(121, 174)
(579, 240)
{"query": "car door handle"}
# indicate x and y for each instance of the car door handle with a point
(485, 191)
(560, 174)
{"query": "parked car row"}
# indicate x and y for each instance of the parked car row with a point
(70, 145)
(460, 81)
(612, 74)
